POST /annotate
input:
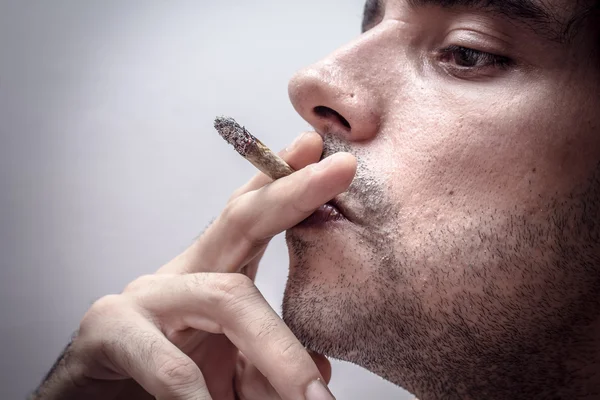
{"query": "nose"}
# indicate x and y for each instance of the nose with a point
(335, 95)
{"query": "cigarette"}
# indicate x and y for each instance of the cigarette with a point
(252, 149)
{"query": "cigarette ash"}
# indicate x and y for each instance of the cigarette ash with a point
(235, 134)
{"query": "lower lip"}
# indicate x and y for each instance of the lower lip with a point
(323, 215)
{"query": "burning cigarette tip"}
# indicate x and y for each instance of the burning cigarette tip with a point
(235, 134)
(252, 149)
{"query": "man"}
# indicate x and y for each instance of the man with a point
(457, 253)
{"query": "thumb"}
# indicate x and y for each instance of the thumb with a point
(251, 384)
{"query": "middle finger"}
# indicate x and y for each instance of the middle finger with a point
(306, 149)
(230, 304)
(251, 220)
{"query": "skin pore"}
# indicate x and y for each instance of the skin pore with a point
(471, 266)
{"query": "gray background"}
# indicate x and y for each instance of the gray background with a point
(109, 165)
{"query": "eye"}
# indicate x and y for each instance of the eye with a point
(465, 58)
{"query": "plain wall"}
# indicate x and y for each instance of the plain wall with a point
(109, 165)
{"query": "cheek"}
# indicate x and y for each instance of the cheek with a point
(495, 149)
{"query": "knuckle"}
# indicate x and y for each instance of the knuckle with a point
(110, 305)
(221, 290)
(300, 207)
(104, 328)
(267, 327)
(235, 284)
(299, 203)
(237, 193)
(230, 214)
(242, 222)
(141, 283)
(291, 348)
(178, 373)
(195, 283)
(233, 288)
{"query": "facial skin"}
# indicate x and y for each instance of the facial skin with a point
(470, 268)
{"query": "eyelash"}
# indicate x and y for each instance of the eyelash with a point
(481, 59)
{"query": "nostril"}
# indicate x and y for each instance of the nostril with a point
(328, 113)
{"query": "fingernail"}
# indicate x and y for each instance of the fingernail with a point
(318, 391)
(323, 164)
(295, 143)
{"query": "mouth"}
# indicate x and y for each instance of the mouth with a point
(330, 212)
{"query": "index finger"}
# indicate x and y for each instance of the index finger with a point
(250, 221)
(306, 149)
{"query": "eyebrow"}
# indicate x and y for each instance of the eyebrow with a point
(525, 11)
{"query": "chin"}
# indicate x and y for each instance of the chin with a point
(332, 291)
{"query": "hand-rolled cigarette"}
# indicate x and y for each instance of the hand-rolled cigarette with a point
(252, 149)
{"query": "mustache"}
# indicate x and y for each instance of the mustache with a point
(366, 201)
(334, 144)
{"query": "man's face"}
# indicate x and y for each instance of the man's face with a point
(468, 265)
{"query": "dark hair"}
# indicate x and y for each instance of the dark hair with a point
(582, 17)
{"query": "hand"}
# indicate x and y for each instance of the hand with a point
(199, 328)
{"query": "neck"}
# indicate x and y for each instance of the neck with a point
(571, 371)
